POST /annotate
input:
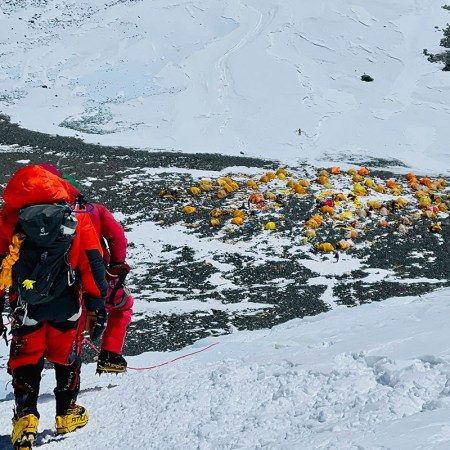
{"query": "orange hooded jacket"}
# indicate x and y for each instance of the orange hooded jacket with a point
(33, 185)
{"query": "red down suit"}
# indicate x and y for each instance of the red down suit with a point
(114, 245)
(33, 185)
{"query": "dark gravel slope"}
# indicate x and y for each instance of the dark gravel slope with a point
(102, 170)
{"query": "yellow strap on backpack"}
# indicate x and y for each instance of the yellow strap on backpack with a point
(9, 261)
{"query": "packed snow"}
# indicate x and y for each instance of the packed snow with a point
(263, 78)
(371, 377)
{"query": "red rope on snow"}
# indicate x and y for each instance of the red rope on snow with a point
(175, 359)
(88, 341)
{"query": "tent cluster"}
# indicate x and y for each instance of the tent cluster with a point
(350, 201)
(363, 202)
(239, 201)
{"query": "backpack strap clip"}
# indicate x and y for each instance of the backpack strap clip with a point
(71, 278)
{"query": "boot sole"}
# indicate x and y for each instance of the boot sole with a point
(26, 443)
(110, 368)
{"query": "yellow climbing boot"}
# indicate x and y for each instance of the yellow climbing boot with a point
(75, 417)
(24, 431)
(110, 362)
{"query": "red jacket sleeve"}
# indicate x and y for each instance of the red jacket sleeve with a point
(8, 221)
(86, 259)
(113, 233)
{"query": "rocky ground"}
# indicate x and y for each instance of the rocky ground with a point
(417, 261)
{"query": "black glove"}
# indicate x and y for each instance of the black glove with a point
(96, 323)
(115, 275)
(120, 270)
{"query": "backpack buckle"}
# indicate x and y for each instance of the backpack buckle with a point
(18, 316)
(71, 278)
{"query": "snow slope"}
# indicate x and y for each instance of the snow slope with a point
(232, 76)
(371, 377)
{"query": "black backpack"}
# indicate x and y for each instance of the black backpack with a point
(43, 272)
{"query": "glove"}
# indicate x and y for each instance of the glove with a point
(96, 323)
(118, 270)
